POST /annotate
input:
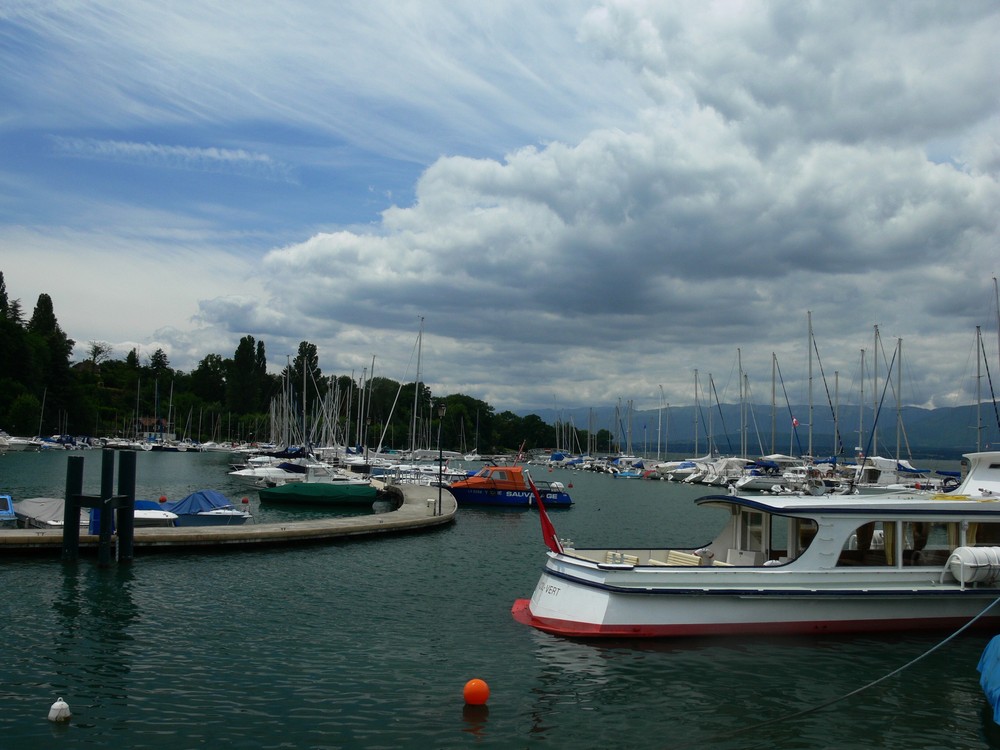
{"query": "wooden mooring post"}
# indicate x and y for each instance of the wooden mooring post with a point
(111, 505)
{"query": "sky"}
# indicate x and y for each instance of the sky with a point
(578, 203)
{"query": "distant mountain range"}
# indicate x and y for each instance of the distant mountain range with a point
(944, 433)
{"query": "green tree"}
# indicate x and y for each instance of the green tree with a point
(245, 377)
(51, 349)
(17, 365)
(260, 374)
(24, 414)
(99, 351)
(159, 364)
(208, 381)
(536, 433)
(506, 434)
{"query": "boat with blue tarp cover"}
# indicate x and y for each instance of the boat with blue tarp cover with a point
(206, 508)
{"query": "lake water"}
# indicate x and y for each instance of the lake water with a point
(368, 643)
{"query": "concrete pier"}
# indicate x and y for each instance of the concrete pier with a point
(416, 512)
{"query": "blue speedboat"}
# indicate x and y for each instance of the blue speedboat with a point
(507, 486)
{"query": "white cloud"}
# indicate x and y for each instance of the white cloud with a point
(234, 161)
(614, 194)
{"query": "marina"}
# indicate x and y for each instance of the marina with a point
(411, 515)
(411, 510)
(364, 642)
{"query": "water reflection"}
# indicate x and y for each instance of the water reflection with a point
(475, 718)
(94, 611)
(779, 692)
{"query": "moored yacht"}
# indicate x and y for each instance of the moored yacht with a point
(791, 564)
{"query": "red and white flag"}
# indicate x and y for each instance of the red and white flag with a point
(795, 422)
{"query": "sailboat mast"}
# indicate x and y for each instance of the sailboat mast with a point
(711, 413)
(41, 412)
(743, 421)
(836, 413)
(774, 413)
(996, 295)
(875, 396)
(810, 326)
(979, 388)
(305, 439)
(696, 412)
(368, 402)
(861, 402)
(361, 405)
(659, 425)
(899, 396)
(138, 385)
(416, 391)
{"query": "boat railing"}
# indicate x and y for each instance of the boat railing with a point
(667, 558)
(547, 486)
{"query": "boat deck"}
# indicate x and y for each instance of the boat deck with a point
(416, 512)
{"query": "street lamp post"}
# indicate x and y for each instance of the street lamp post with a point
(441, 410)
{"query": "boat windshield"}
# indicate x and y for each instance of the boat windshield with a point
(759, 538)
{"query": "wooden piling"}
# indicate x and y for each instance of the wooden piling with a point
(126, 507)
(71, 510)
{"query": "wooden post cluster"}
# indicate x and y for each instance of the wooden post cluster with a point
(116, 509)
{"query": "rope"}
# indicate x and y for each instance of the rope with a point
(885, 677)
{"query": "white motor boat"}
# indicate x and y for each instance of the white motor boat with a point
(787, 564)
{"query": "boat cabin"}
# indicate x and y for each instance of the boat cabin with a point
(497, 478)
(911, 529)
(903, 531)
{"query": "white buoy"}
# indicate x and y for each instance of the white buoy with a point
(59, 711)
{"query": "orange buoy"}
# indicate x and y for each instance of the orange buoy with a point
(476, 692)
(163, 498)
(244, 501)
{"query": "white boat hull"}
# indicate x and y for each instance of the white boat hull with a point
(591, 600)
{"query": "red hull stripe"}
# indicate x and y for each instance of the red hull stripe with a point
(522, 614)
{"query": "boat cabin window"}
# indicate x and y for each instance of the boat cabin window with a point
(983, 535)
(789, 536)
(895, 543)
(752, 531)
(764, 538)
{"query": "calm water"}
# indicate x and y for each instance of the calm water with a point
(367, 644)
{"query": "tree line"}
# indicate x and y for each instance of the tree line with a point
(44, 392)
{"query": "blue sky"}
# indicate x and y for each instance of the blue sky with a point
(584, 201)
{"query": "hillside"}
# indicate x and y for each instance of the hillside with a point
(925, 433)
